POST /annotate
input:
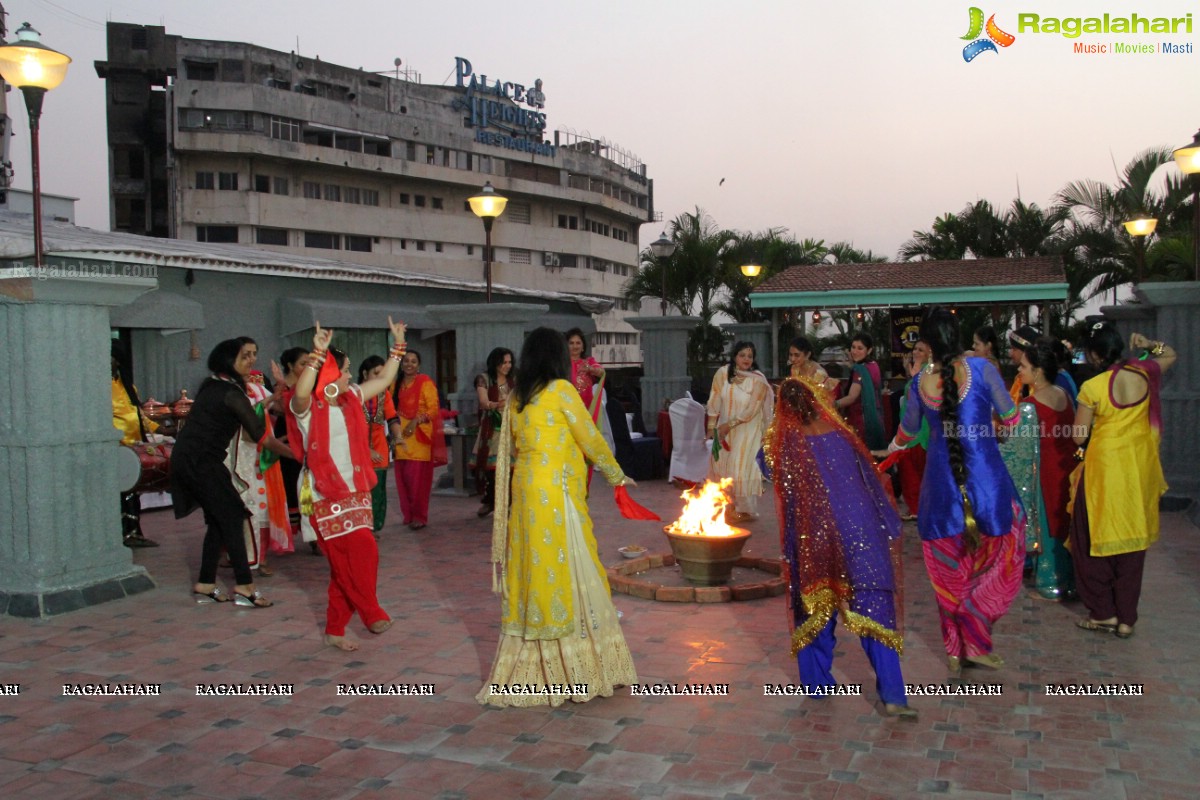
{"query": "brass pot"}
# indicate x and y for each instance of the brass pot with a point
(707, 560)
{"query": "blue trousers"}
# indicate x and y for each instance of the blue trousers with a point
(816, 664)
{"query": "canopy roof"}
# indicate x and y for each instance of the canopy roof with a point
(1039, 279)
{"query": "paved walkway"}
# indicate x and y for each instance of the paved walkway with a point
(1021, 744)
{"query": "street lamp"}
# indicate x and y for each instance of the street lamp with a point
(1138, 229)
(1188, 159)
(663, 248)
(34, 69)
(488, 205)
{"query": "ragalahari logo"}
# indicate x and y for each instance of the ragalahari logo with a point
(995, 36)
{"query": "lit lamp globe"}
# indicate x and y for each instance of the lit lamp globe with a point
(751, 270)
(1141, 226)
(29, 64)
(487, 205)
(1188, 156)
(663, 248)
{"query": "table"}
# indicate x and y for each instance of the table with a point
(458, 443)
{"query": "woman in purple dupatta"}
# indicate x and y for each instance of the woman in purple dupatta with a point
(841, 555)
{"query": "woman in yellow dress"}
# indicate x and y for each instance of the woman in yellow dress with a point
(559, 634)
(1114, 516)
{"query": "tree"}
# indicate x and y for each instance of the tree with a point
(774, 252)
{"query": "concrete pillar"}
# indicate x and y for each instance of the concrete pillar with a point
(1170, 312)
(664, 361)
(758, 334)
(478, 328)
(60, 527)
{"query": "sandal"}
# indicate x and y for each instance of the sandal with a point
(1124, 631)
(265, 571)
(252, 600)
(1090, 624)
(416, 526)
(899, 711)
(210, 597)
(988, 660)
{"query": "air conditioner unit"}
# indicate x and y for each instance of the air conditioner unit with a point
(551, 260)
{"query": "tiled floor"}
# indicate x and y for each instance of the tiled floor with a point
(437, 585)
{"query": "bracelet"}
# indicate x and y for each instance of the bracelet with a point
(1158, 348)
(1080, 452)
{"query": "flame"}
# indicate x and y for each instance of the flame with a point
(704, 511)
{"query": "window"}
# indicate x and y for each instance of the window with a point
(359, 244)
(222, 234)
(420, 245)
(262, 183)
(568, 221)
(137, 39)
(204, 180)
(517, 211)
(129, 162)
(404, 244)
(430, 154)
(280, 186)
(200, 70)
(404, 198)
(233, 70)
(333, 192)
(437, 203)
(437, 246)
(312, 190)
(518, 256)
(323, 241)
(470, 249)
(273, 236)
(286, 129)
(351, 194)
(419, 200)
(410, 151)
(370, 197)
(227, 181)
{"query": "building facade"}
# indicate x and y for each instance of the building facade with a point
(225, 142)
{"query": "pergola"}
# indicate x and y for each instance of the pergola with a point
(1038, 280)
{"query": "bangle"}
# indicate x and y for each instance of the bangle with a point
(1157, 348)
(1080, 452)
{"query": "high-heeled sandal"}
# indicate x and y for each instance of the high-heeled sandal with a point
(252, 600)
(215, 595)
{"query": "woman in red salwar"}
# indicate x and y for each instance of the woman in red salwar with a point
(328, 428)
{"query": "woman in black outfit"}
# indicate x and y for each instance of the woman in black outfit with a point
(200, 479)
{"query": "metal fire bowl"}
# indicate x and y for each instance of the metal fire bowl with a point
(707, 560)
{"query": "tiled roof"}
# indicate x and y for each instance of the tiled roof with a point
(917, 275)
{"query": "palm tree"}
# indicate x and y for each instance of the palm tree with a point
(1105, 253)
(977, 229)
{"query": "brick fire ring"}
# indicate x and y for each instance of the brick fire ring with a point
(628, 578)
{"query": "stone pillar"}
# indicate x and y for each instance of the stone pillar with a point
(664, 361)
(1171, 312)
(478, 328)
(60, 526)
(758, 334)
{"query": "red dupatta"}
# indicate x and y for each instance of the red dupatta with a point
(408, 406)
(313, 450)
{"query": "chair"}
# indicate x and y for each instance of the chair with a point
(640, 459)
(689, 456)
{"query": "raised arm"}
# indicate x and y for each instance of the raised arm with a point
(392, 365)
(308, 377)
(1161, 352)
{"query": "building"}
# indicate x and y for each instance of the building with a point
(225, 142)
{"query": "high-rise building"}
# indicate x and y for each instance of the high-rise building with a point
(227, 142)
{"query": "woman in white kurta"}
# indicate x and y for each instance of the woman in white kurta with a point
(739, 410)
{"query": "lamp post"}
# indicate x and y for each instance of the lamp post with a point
(34, 69)
(488, 205)
(1188, 159)
(663, 248)
(751, 270)
(1139, 228)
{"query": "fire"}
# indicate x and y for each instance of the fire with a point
(704, 511)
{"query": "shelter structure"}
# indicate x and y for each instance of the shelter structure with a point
(1021, 282)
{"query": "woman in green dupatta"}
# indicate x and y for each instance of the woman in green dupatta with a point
(862, 405)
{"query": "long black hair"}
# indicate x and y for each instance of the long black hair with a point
(1044, 356)
(369, 363)
(543, 359)
(223, 357)
(940, 331)
(737, 348)
(494, 360)
(1104, 344)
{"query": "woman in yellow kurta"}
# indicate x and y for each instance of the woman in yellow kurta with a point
(559, 634)
(133, 425)
(1115, 516)
(417, 439)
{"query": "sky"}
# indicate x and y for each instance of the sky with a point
(854, 121)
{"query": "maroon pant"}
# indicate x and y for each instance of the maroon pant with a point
(414, 482)
(353, 572)
(1110, 586)
(911, 466)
